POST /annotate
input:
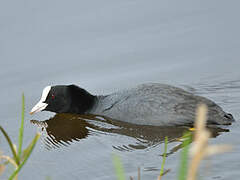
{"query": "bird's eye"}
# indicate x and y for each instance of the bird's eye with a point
(53, 97)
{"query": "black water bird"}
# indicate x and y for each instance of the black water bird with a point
(147, 104)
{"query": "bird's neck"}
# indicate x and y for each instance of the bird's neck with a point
(81, 101)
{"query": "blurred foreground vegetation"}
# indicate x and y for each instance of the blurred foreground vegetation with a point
(19, 155)
(190, 156)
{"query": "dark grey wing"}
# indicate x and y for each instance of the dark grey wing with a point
(158, 105)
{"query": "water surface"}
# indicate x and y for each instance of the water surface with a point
(105, 46)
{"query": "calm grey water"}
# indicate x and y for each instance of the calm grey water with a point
(107, 45)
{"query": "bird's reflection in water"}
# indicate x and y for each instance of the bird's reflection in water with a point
(63, 129)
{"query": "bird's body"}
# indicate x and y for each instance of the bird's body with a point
(147, 104)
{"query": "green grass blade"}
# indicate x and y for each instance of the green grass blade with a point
(184, 157)
(164, 156)
(27, 150)
(118, 167)
(33, 143)
(48, 178)
(21, 129)
(14, 153)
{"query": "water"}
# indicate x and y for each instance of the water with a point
(104, 46)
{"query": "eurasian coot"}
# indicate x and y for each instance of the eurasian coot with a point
(147, 104)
